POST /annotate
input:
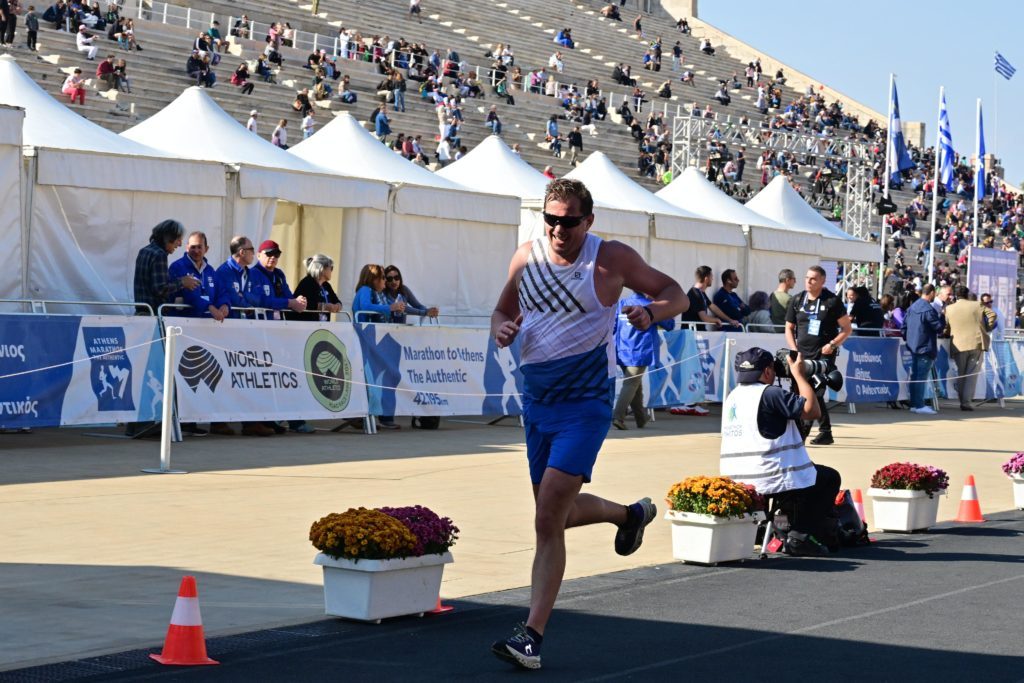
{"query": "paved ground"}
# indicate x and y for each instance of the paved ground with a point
(93, 550)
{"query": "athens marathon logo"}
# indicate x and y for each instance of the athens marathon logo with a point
(328, 370)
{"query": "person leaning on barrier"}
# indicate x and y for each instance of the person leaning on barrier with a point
(781, 296)
(817, 325)
(202, 300)
(762, 447)
(153, 284)
(395, 290)
(321, 300)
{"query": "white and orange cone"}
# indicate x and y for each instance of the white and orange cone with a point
(858, 505)
(970, 508)
(185, 644)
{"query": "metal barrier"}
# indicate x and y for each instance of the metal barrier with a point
(40, 305)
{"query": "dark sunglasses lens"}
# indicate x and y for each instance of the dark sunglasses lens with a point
(566, 222)
(393, 278)
(274, 254)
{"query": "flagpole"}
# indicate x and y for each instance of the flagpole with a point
(977, 163)
(885, 190)
(935, 188)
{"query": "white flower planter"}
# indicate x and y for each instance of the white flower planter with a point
(900, 510)
(1018, 490)
(707, 539)
(371, 590)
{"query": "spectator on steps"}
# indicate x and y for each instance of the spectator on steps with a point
(252, 125)
(302, 103)
(105, 73)
(240, 79)
(279, 138)
(706, 48)
(263, 70)
(308, 124)
(242, 28)
(84, 42)
(216, 38)
(74, 87)
(121, 74)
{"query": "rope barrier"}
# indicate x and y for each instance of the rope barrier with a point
(80, 360)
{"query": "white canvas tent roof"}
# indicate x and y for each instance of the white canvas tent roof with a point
(73, 151)
(606, 181)
(195, 126)
(781, 203)
(693, 192)
(493, 166)
(344, 146)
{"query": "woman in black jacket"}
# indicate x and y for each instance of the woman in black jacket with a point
(321, 300)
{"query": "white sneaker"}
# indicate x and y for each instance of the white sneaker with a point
(924, 410)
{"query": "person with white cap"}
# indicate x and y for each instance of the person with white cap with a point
(252, 125)
(84, 41)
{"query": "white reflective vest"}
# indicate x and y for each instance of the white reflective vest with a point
(769, 465)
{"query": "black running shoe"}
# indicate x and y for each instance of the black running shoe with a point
(631, 534)
(521, 649)
(823, 439)
(803, 545)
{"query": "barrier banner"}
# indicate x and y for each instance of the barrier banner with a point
(439, 371)
(669, 382)
(864, 361)
(994, 272)
(267, 370)
(109, 371)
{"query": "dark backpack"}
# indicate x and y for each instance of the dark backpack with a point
(426, 422)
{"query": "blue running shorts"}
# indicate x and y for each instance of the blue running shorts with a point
(565, 436)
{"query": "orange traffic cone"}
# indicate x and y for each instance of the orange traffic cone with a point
(185, 644)
(858, 504)
(441, 609)
(970, 508)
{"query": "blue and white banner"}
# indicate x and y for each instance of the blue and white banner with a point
(995, 272)
(677, 376)
(267, 370)
(79, 370)
(439, 371)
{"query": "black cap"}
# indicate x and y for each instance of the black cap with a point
(751, 363)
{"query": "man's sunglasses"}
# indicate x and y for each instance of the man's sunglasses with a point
(272, 254)
(393, 278)
(567, 222)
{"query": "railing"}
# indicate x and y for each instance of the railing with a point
(40, 305)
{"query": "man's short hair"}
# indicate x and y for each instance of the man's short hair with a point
(818, 269)
(786, 274)
(237, 243)
(727, 275)
(167, 231)
(199, 233)
(702, 272)
(962, 292)
(563, 189)
(928, 289)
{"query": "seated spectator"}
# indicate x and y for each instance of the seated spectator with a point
(759, 319)
(121, 76)
(56, 14)
(272, 55)
(240, 79)
(84, 41)
(688, 77)
(105, 73)
(219, 43)
(198, 69)
(74, 87)
(564, 38)
(611, 11)
(396, 291)
(722, 96)
(706, 48)
(549, 173)
(555, 62)
(684, 26)
(242, 28)
(302, 103)
(279, 138)
(263, 70)
(665, 90)
(321, 300)
(288, 35)
(493, 120)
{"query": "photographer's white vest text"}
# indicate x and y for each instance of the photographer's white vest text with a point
(769, 465)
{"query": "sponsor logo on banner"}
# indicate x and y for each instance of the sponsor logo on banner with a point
(111, 371)
(199, 366)
(254, 370)
(329, 370)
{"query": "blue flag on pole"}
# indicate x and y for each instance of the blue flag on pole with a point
(979, 163)
(899, 159)
(1004, 68)
(946, 153)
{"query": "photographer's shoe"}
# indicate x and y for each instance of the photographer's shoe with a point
(823, 439)
(522, 649)
(631, 534)
(803, 545)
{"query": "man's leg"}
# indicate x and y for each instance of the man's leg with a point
(637, 404)
(918, 375)
(960, 359)
(630, 386)
(972, 366)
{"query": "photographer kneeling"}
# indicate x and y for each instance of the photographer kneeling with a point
(762, 446)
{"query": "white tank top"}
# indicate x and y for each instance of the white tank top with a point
(563, 320)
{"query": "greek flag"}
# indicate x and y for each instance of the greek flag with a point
(946, 153)
(979, 172)
(1004, 68)
(896, 154)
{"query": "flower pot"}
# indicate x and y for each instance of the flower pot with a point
(371, 590)
(707, 539)
(900, 510)
(1018, 490)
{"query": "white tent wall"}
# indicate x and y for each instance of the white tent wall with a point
(679, 260)
(765, 267)
(83, 242)
(363, 241)
(11, 120)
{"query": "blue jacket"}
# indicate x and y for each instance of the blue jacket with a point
(230, 290)
(635, 347)
(270, 289)
(370, 300)
(921, 326)
(381, 126)
(202, 296)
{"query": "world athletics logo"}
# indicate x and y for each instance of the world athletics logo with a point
(197, 365)
(328, 370)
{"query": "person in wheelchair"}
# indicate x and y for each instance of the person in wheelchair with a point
(762, 446)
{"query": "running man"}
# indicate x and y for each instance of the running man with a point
(560, 299)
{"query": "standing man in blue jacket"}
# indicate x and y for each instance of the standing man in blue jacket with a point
(203, 301)
(635, 350)
(921, 327)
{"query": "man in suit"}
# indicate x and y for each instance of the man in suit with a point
(968, 323)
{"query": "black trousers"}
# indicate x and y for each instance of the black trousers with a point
(809, 509)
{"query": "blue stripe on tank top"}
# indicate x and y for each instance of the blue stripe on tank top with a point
(581, 376)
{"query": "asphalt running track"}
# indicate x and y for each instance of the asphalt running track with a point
(944, 605)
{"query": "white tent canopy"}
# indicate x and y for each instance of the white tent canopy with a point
(452, 243)
(93, 197)
(195, 126)
(493, 166)
(781, 203)
(693, 192)
(11, 119)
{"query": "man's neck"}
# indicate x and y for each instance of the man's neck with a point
(813, 295)
(199, 264)
(782, 288)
